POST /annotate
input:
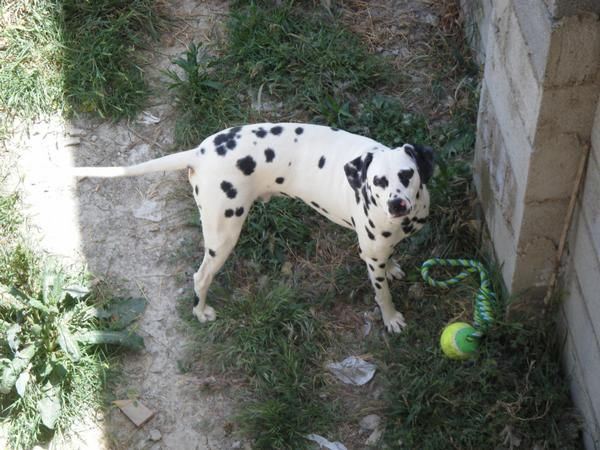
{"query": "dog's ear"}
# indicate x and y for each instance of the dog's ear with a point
(356, 170)
(424, 158)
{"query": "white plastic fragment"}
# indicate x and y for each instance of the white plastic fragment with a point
(325, 443)
(147, 118)
(353, 370)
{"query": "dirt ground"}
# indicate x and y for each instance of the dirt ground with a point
(130, 232)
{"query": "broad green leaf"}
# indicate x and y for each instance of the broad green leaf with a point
(21, 383)
(68, 343)
(12, 370)
(49, 405)
(8, 299)
(121, 312)
(126, 339)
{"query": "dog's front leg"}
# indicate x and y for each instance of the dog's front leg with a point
(393, 319)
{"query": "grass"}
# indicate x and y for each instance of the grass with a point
(71, 56)
(307, 66)
(274, 342)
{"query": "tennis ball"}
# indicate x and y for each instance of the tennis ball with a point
(457, 341)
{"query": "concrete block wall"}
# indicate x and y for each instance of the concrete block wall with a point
(538, 114)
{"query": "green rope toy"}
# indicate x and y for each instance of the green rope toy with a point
(460, 340)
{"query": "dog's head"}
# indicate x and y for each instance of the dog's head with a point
(391, 178)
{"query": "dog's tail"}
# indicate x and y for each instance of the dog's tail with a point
(176, 161)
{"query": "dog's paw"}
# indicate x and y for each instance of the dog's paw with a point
(207, 314)
(394, 322)
(394, 271)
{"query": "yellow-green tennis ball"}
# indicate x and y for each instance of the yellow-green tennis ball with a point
(457, 341)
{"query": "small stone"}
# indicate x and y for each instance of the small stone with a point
(94, 138)
(72, 141)
(374, 438)
(236, 444)
(155, 435)
(416, 291)
(369, 423)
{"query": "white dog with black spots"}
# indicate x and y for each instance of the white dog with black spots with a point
(356, 182)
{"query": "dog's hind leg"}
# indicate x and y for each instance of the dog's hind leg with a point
(221, 231)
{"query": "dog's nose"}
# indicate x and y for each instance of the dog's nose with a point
(398, 207)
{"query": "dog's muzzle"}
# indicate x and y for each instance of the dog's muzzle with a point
(398, 207)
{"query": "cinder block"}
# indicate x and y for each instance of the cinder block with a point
(574, 56)
(553, 164)
(562, 8)
(579, 393)
(535, 25)
(543, 219)
(570, 109)
(590, 201)
(534, 264)
(504, 246)
(585, 345)
(584, 261)
(520, 71)
(516, 137)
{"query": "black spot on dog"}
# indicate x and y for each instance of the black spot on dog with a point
(269, 155)
(202, 151)
(246, 165)
(196, 189)
(334, 129)
(408, 229)
(315, 204)
(420, 220)
(374, 259)
(382, 182)
(373, 200)
(366, 210)
(380, 279)
(279, 180)
(321, 162)
(371, 235)
(353, 222)
(356, 196)
(382, 265)
(371, 224)
(364, 194)
(229, 213)
(386, 234)
(261, 132)
(324, 210)
(405, 176)
(418, 194)
(226, 140)
(239, 211)
(371, 268)
(377, 285)
(276, 130)
(196, 300)
(299, 131)
(211, 253)
(228, 188)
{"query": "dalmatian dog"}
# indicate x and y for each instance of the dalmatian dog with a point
(358, 183)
